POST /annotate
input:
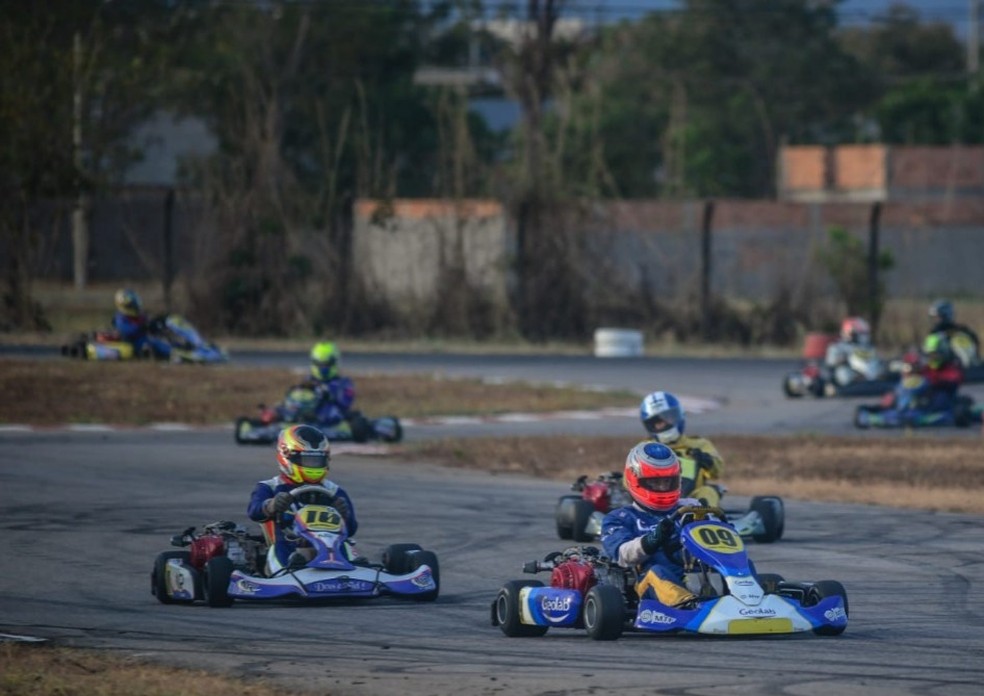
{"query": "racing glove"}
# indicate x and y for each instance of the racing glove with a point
(278, 504)
(340, 504)
(655, 537)
(703, 460)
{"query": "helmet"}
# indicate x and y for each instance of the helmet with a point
(855, 330)
(942, 310)
(324, 360)
(303, 453)
(652, 476)
(936, 348)
(662, 416)
(128, 302)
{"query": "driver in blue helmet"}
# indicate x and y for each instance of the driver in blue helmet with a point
(663, 417)
(134, 327)
(643, 535)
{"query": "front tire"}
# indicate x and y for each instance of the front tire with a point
(397, 558)
(564, 516)
(771, 515)
(215, 587)
(822, 590)
(506, 611)
(429, 559)
(604, 612)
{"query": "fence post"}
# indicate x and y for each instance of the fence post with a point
(168, 241)
(874, 304)
(705, 269)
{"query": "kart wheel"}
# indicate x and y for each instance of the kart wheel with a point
(818, 387)
(564, 516)
(821, 590)
(506, 611)
(770, 582)
(215, 586)
(243, 426)
(604, 612)
(362, 429)
(396, 558)
(788, 388)
(963, 412)
(158, 578)
(392, 430)
(862, 418)
(582, 514)
(770, 514)
(429, 559)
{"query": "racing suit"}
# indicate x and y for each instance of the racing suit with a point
(332, 403)
(942, 384)
(264, 490)
(953, 330)
(660, 573)
(696, 483)
(135, 331)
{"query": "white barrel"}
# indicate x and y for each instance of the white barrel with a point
(617, 343)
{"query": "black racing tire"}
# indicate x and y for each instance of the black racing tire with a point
(771, 514)
(397, 434)
(396, 558)
(362, 430)
(604, 612)
(426, 558)
(770, 582)
(506, 612)
(817, 387)
(861, 417)
(820, 590)
(963, 412)
(158, 587)
(242, 426)
(787, 388)
(215, 584)
(564, 516)
(583, 510)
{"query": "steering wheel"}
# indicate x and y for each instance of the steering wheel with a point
(312, 495)
(696, 513)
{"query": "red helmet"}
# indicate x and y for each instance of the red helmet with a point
(652, 476)
(855, 330)
(303, 453)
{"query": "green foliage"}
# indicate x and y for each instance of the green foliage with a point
(846, 259)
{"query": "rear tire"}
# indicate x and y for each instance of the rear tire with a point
(158, 577)
(506, 610)
(396, 558)
(216, 582)
(243, 426)
(604, 612)
(361, 428)
(771, 515)
(861, 417)
(429, 559)
(564, 516)
(822, 590)
(582, 514)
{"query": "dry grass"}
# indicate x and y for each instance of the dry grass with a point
(53, 392)
(924, 473)
(44, 670)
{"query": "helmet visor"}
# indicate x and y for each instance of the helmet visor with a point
(660, 484)
(664, 420)
(309, 459)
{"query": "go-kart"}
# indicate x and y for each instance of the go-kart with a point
(224, 562)
(578, 517)
(861, 374)
(185, 344)
(296, 407)
(904, 407)
(588, 590)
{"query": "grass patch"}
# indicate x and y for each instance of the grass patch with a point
(53, 392)
(912, 472)
(46, 670)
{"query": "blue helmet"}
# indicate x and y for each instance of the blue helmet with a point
(942, 310)
(662, 417)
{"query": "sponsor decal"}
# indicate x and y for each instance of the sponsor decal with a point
(835, 615)
(648, 616)
(757, 611)
(558, 604)
(341, 585)
(742, 583)
(247, 587)
(424, 580)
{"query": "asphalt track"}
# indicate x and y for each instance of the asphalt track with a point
(85, 513)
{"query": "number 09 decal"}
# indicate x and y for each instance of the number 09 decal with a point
(719, 539)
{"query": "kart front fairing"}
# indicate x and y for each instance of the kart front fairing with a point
(330, 573)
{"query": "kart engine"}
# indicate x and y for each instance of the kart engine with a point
(574, 574)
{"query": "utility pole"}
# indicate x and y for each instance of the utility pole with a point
(974, 38)
(80, 223)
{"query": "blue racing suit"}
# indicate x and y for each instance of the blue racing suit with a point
(333, 401)
(264, 490)
(661, 572)
(134, 330)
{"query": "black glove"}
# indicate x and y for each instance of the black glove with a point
(340, 504)
(278, 504)
(703, 460)
(657, 536)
